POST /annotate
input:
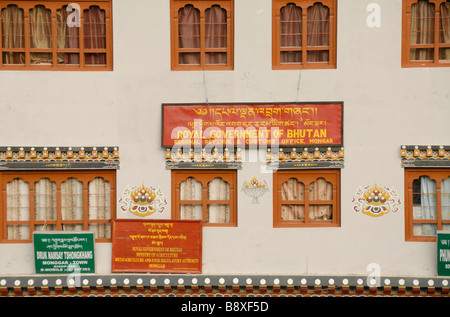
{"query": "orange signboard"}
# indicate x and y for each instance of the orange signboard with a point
(157, 246)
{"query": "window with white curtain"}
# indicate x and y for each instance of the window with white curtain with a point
(427, 203)
(57, 201)
(209, 196)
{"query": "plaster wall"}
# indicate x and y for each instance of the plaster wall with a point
(385, 106)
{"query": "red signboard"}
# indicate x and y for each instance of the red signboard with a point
(287, 124)
(157, 246)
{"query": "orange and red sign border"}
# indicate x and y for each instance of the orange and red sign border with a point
(298, 124)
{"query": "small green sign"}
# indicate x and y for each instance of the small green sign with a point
(64, 252)
(443, 253)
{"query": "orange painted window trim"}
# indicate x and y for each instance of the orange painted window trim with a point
(437, 175)
(406, 32)
(204, 177)
(306, 177)
(58, 177)
(276, 36)
(201, 5)
(54, 5)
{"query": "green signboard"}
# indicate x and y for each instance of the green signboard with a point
(64, 252)
(443, 253)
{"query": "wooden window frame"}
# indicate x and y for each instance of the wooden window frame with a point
(411, 174)
(105, 5)
(406, 30)
(85, 176)
(307, 176)
(202, 5)
(276, 45)
(204, 177)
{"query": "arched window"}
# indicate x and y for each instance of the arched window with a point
(54, 40)
(202, 35)
(209, 196)
(427, 204)
(55, 200)
(304, 34)
(426, 33)
(307, 198)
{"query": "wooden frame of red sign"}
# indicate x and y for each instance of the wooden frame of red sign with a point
(157, 246)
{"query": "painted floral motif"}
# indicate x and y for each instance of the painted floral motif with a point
(142, 201)
(376, 201)
(255, 189)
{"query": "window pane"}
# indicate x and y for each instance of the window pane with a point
(18, 208)
(320, 190)
(422, 23)
(422, 54)
(18, 232)
(292, 212)
(320, 212)
(191, 212)
(218, 189)
(321, 56)
(18, 200)
(189, 34)
(424, 198)
(190, 189)
(94, 28)
(445, 199)
(99, 199)
(68, 35)
(218, 213)
(13, 35)
(99, 207)
(293, 190)
(215, 27)
(424, 229)
(291, 26)
(189, 58)
(318, 26)
(72, 203)
(291, 57)
(444, 23)
(422, 30)
(40, 34)
(45, 203)
(444, 54)
(215, 58)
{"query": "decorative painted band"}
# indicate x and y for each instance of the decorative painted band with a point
(425, 155)
(109, 280)
(63, 157)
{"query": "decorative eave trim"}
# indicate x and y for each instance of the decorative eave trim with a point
(425, 155)
(167, 285)
(203, 159)
(59, 157)
(315, 157)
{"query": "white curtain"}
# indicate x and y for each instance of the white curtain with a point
(72, 203)
(191, 189)
(18, 208)
(45, 203)
(99, 207)
(218, 189)
(428, 207)
(445, 202)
